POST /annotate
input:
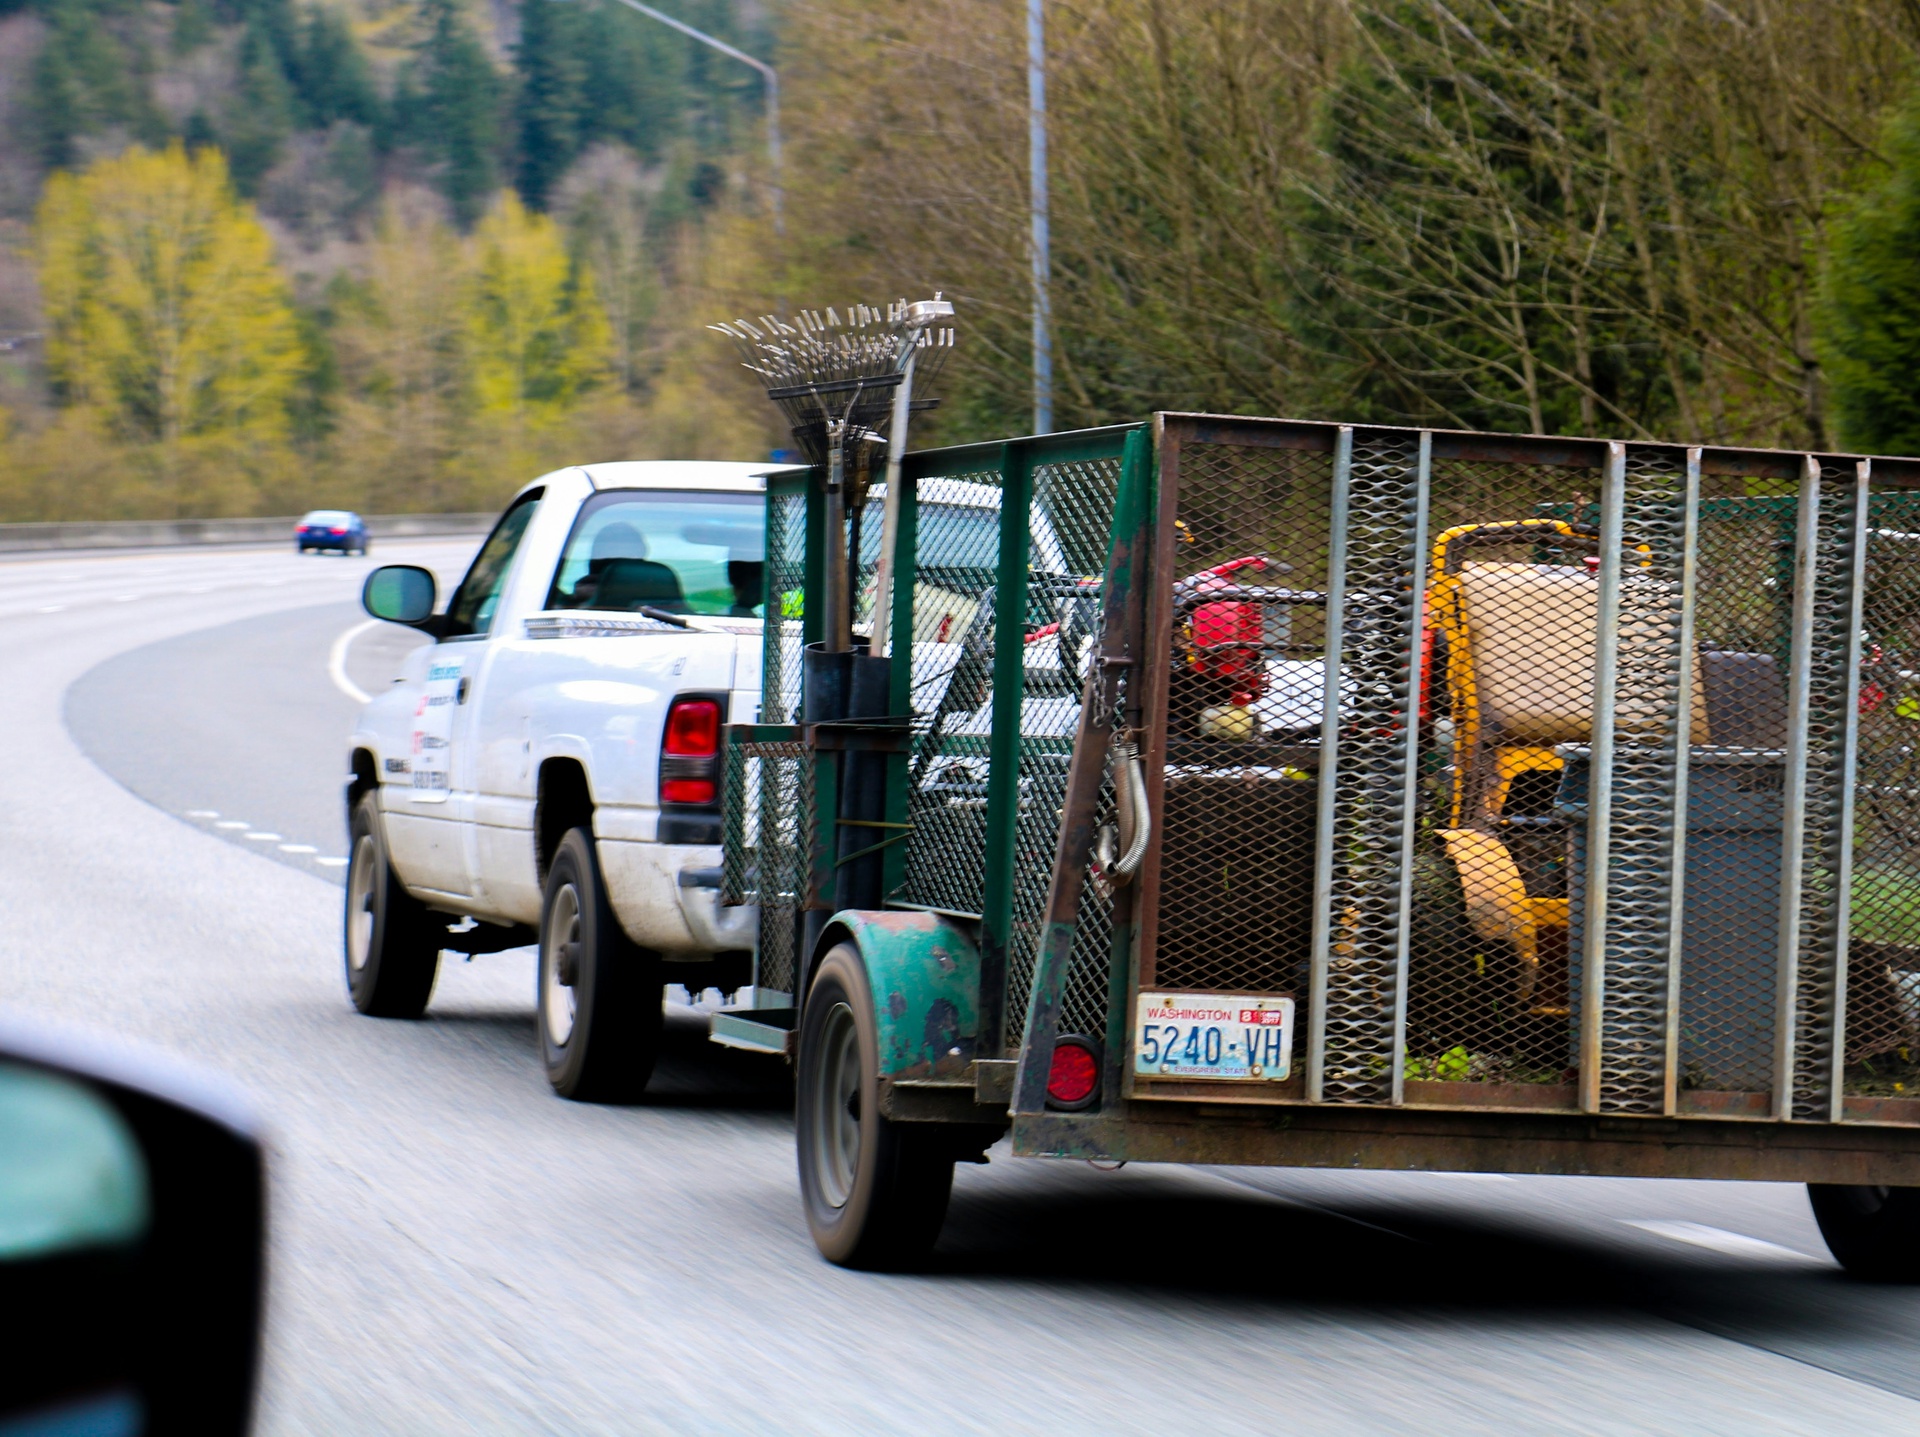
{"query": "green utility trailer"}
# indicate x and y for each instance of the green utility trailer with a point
(1269, 792)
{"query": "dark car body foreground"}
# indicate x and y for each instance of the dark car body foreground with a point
(332, 529)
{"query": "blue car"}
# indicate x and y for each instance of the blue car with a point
(340, 529)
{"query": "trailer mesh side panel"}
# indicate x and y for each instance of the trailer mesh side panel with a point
(1640, 876)
(1074, 507)
(767, 794)
(956, 555)
(1742, 633)
(1510, 612)
(785, 596)
(1241, 725)
(1883, 961)
(1365, 909)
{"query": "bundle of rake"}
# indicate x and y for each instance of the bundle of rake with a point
(845, 387)
(835, 379)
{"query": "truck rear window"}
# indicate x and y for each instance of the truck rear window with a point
(668, 549)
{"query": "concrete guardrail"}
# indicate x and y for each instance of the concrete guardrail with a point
(155, 533)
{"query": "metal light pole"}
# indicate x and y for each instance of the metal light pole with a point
(767, 74)
(1042, 242)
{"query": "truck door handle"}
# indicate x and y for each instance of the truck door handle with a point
(460, 690)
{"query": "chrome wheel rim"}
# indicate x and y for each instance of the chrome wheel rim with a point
(556, 998)
(836, 1118)
(360, 879)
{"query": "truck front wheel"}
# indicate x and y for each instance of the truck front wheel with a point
(600, 992)
(1873, 1232)
(875, 1190)
(393, 952)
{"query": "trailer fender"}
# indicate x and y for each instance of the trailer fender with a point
(924, 973)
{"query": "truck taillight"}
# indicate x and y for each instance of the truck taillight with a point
(690, 753)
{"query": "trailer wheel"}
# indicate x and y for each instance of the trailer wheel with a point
(875, 1190)
(392, 948)
(599, 991)
(1873, 1232)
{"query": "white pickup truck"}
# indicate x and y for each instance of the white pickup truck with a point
(549, 767)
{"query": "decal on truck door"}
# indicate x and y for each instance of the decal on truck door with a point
(432, 732)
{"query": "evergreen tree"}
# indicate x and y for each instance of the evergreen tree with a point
(1870, 301)
(56, 104)
(261, 114)
(549, 109)
(450, 107)
(330, 72)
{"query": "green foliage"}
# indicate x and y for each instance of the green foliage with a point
(168, 321)
(1870, 300)
(448, 107)
(330, 72)
(261, 114)
(550, 111)
(89, 76)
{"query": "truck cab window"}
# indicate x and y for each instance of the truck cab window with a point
(470, 611)
(684, 553)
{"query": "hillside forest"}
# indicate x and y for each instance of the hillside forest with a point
(263, 255)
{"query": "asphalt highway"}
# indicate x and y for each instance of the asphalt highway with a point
(455, 1250)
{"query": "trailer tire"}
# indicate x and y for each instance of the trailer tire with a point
(599, 992)
(391, 938)
(1873, 1232)
(875, 1190)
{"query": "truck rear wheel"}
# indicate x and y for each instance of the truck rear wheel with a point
(599, 991)
(1873, 1232)
(875, 1190)
(392, 939)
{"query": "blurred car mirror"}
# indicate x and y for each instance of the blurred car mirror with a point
(132, 1235)
(400, 594)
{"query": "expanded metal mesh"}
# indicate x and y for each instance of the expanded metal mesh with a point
(1736, 766)
(1241, 733)
(767, 797)
(1068, 533)
(1883, 961)
(786, 580)
(1826, 729)
(1649, 679)
(955, 578)
(1512, 596)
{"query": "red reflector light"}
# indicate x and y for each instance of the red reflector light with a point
(687, 790)
(1074, 1077)
(339, 531)
(693, 731)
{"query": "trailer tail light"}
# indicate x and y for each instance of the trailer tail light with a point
(690, 753)
(1073, 1080)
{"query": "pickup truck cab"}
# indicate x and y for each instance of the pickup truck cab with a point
(547, 769)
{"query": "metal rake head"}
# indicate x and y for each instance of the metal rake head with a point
(826, 371)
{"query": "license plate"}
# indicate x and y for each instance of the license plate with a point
(1244, 1037)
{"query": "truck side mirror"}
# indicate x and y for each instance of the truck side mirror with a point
(132, 1232)
(400, 594)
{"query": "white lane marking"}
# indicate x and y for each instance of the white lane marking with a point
(337, 662)
(51, 608)
(1718, 1239)
(263, 838)
(203, 813)
(298, 848)
(124, 598)
(232, 823)
(331, 862)
(1475, 1177)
